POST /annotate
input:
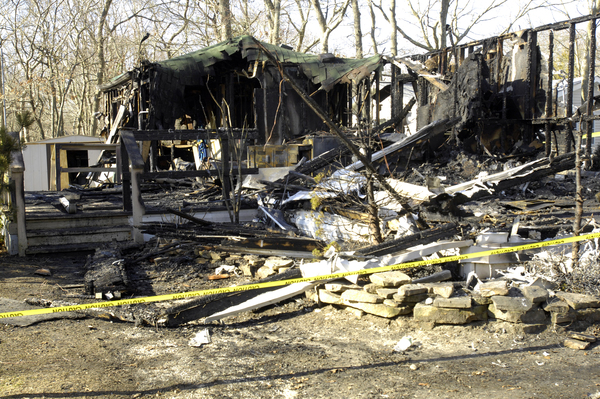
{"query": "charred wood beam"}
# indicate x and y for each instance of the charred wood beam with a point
(327, 157)
(132, 148)
(570, 77)
(422, 237)
(277, 185)
(398, 119)
(205, 306)
(302, 176)
(335, 129)
(542, 168)
(192, 135)
(189, 217)
(319, 162)
(590, 91)
(549, 92)
(182, 174)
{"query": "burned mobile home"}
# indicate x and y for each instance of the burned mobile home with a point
(487, 114)
(232, 86)
(239, 107)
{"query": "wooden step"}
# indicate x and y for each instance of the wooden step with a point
(79, 235)
(76, 221)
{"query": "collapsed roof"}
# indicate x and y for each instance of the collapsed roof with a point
(192, 89)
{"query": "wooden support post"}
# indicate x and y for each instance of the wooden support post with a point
(570, 76)
(532, 61)
(590, 94)
(138, 205)
(137, 169)
(226, 160)
(125, 178)
(17, 177)
(335, 129)
(17, 170)
(549, 96)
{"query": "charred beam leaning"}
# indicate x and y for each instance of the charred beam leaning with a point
(315, 107)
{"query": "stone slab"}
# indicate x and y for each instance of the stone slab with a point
(535, 294)
(591, 315)
(393, 278)
(579, 301)
(410, 299)
(512, 304)
(428, 313)
(493, 288)
(567, 317)
(411, 290)
(463, 302)
(277, 263)
(387, 293)
(533, 316)
(265, 271)
(556, 305)
(377, 309)
(404, 309)
(360, 296)
(371, 288)
(582, 337)
(576, 344)
(444, 290)
(341, 286)
(326, 296)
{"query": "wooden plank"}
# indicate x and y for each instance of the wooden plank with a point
(189, 217)
(70, 206)
(266, 299)
(133, 150)
(181, 174)
(114, 127)
(192, 135)
(88, 169)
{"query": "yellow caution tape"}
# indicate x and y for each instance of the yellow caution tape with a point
(249, 287)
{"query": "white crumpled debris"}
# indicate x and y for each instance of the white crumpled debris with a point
(403, 344)
(202, 337)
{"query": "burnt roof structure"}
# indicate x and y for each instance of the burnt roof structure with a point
(193, 90)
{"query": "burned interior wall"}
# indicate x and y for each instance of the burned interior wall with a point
(496, 91)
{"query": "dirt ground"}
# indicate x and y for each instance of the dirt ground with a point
(293, 350)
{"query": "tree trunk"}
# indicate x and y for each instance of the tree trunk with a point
(394, 28)
(585, 68)
(374, 226)
(578, 197)
(225, 11)
(274, 17)
(322, 25)
(373, 24)
(443, 21)
(357, 31)
(100, 40)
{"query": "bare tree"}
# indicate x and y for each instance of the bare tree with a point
(300, 27)
(586, 59)
(225, 11)
(435, 19)
(329, 18)
(274, 16)
(358, 44)
(374, 23)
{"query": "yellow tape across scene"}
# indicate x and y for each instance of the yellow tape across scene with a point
(191, 294)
